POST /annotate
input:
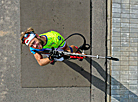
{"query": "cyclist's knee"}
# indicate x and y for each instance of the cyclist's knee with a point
(74, 48)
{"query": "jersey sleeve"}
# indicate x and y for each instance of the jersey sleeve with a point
(33, 50)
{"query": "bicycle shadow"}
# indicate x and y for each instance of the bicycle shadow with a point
(98, 82)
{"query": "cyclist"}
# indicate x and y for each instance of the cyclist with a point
(40, 43)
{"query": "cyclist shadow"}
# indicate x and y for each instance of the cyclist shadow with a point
(97, 82)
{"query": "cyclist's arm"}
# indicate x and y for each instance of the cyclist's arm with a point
(41, 61)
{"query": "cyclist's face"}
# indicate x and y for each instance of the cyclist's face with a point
(36, 43)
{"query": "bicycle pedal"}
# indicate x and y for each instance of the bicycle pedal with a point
(52, 62)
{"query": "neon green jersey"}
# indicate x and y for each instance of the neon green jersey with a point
(53, 39)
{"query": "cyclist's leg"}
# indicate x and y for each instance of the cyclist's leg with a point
(71, 48)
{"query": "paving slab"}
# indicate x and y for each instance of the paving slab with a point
(98, 48)
(66, 17)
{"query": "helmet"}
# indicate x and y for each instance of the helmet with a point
(28, 37)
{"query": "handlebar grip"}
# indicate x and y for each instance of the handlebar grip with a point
(112, 58)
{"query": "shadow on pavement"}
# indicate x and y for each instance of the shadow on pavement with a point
(98, 82)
